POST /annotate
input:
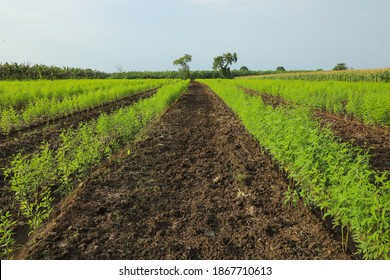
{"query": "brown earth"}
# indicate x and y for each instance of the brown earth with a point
(197, 187)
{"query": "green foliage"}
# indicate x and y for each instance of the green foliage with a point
(381, 75)
(184, 67)
(369, 102)
(221, 64)
(280, 69)
(31, 182)
(34, 177)
(15, 71)
(6, 233)
(45, 100)
(330, 174)
(200, 74)
(340, 67)
(8, 120)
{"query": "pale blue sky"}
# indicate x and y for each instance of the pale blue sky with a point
(150, 34)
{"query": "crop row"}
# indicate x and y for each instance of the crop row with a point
(37, 178)
(330, 174)
(369, 102)
(376, 75)
(41, 101)
(19, 94)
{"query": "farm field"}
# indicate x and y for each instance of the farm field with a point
(41, 164)
(23, 105)
(232, 170)
(30, 140)
(197, 187)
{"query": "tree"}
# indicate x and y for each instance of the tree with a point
(340, 66)
(222, 62)
(184, 67)
(280, 69)
(244, 68)
(120, 69)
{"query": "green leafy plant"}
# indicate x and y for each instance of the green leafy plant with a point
(34, 177)
(6, 234)
(31, 179)
(331, 174)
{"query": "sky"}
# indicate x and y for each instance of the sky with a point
(142, 35)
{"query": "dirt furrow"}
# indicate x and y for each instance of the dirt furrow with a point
(197, 187)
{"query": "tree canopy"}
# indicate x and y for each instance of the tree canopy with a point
(184, 67)
(340, 66)
(222, 62)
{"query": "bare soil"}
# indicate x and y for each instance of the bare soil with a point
(197, 187)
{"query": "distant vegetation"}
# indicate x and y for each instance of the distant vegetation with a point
(200, 74)
(183, 62)
(373, 75)
(25, 71)
(340, 67)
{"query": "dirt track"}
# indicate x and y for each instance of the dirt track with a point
(197, 187)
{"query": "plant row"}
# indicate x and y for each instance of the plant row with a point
(369, 102)
(379, 75)
(330, 174)
(52, 99)
(19, 94)
(37, 178)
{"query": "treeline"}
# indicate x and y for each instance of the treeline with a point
(200, 74)
(25, 71)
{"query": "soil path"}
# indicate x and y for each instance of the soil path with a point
(197, 187)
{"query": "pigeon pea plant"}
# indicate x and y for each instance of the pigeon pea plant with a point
(330, 174)
(6, 232)
(369, 102)
(31, 182)
(49, 107)
(34, 177)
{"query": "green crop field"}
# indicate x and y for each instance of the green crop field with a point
(54, 134)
